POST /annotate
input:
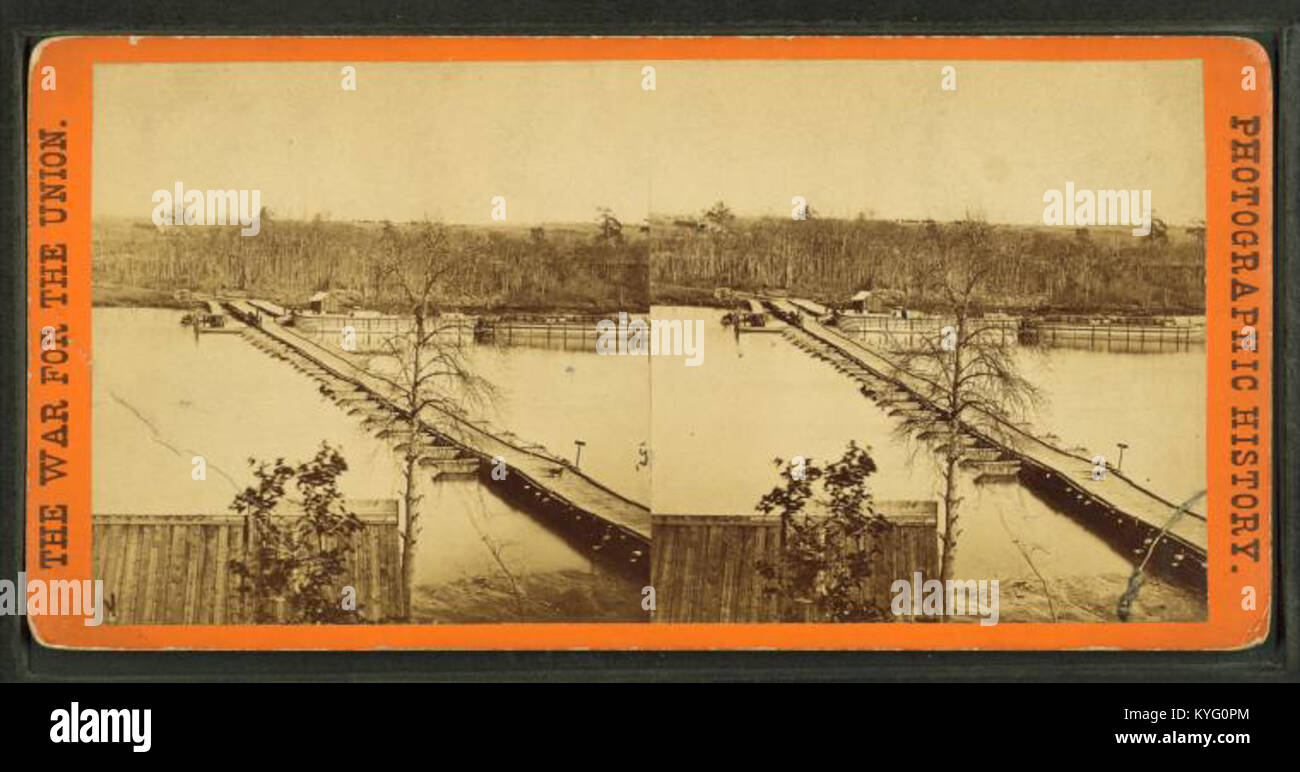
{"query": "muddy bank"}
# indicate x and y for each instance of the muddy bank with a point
(557, 596)
(1096, 599)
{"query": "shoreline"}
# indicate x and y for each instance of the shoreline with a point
(120, 296)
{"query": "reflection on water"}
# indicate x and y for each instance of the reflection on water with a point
(718, 428)
(161, 397)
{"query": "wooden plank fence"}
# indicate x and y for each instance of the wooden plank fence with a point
(175, 569)
(705, 568)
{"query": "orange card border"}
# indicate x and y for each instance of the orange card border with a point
(1228, 626)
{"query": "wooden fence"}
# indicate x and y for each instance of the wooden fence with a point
(175, 569)
(706, 568)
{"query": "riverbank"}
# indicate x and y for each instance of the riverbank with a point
(680, 295)
(1095, 598)
(119, 296)
(127, 296)
(687, 295)
(556, 596)
(1031, 309)
(105, 295)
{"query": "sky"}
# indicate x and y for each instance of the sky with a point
(558, 140)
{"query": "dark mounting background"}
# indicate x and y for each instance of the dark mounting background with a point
(22, 24)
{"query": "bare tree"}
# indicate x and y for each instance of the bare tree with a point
(432, 379)
(1158, 236)
(611, 229)
(967, 372)
(1197, 231)
(720, 216)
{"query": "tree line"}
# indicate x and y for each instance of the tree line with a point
(831, 259)
(603, 266)
(595, 266)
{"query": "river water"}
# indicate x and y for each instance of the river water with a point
(162, 397)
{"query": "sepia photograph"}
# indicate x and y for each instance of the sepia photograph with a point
(363, 384)
(956, 330)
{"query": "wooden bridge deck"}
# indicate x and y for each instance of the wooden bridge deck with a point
(1114, 492)
(529, 461)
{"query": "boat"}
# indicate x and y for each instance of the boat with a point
(755, 319)
(209, 323)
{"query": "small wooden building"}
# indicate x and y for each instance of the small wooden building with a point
(324, 303)
(867, 302)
